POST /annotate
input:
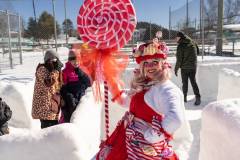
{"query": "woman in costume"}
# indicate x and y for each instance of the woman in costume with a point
(155, 111)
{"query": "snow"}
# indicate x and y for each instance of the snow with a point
(220, 131)
(21, 105)
(58, 142)
(81, 138)
(229, 84)
(208, 75)
(233, 27)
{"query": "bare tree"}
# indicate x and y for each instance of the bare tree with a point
(211, 8)
(232, 12)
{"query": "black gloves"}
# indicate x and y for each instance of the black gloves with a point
(58, 65)
(49, 65)
(176, 71)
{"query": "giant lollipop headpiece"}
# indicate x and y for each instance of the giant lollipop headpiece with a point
(106, 24)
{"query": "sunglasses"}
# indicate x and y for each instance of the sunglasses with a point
(72, 58)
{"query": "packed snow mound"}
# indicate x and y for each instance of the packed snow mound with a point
(19, 98)
(229, 84)
(208, 75)
(87, 118)
(220, 131)
(59, 142)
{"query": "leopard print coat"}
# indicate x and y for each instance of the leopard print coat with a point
(41, 105)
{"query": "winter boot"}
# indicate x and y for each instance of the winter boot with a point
(198, 101)
(185, 98)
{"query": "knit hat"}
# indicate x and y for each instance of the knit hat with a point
(150, 50)
(72, 55)
(50, 55)
(181, 35)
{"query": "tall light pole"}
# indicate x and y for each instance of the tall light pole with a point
(66, 23)
(169, 25)
(34, 10)
(187, 14)
(202, 25)
(219, 28)
(55, 25)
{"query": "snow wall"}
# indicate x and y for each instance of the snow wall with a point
(220, 131)
(17, 96)
(228, 84)
(78, 140)
(207, 78)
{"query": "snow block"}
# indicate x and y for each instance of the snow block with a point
(219, 136)
(207, 78)
(19, 97)
(87, 118)
(229, 84)
(59, 142)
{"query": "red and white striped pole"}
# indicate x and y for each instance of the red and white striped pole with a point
(106, 109)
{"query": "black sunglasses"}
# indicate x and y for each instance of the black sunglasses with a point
(72, 58)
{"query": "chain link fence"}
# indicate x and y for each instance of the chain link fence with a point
(197, 18)
(11, 28)
(190, 17)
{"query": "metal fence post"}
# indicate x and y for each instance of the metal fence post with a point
(202, 26)
(65, 12)
(55, 25)
(9, 40)
(219, 28)
(20, 38)
(233, 46)
(169, 24)
(150, 28)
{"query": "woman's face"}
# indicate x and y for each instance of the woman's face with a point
(74, 62)
(151, 67)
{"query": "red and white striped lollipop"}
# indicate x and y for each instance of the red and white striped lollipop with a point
(106, 24)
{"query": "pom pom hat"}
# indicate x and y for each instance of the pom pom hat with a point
(151, 50)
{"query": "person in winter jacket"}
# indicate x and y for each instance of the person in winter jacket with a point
(75, 84)
(45, 105)
(5, 115)
(186, 56)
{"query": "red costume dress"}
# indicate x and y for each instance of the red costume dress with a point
(128, 142)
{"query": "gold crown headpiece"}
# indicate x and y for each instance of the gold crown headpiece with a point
(150, 50)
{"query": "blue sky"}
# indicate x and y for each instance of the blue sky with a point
(156, 11)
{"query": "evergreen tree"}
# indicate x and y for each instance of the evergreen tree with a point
(67, 27)
(32, 29)
(46, 26)
(151, 30)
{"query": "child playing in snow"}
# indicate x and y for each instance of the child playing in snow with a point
(75, 83)
(5, 115)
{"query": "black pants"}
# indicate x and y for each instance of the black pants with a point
(189, 74)
(48, 123)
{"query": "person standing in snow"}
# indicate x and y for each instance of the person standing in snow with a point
(75, 84)
(46, 99)
(187, 51)
(5, 115)
(155, 111)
